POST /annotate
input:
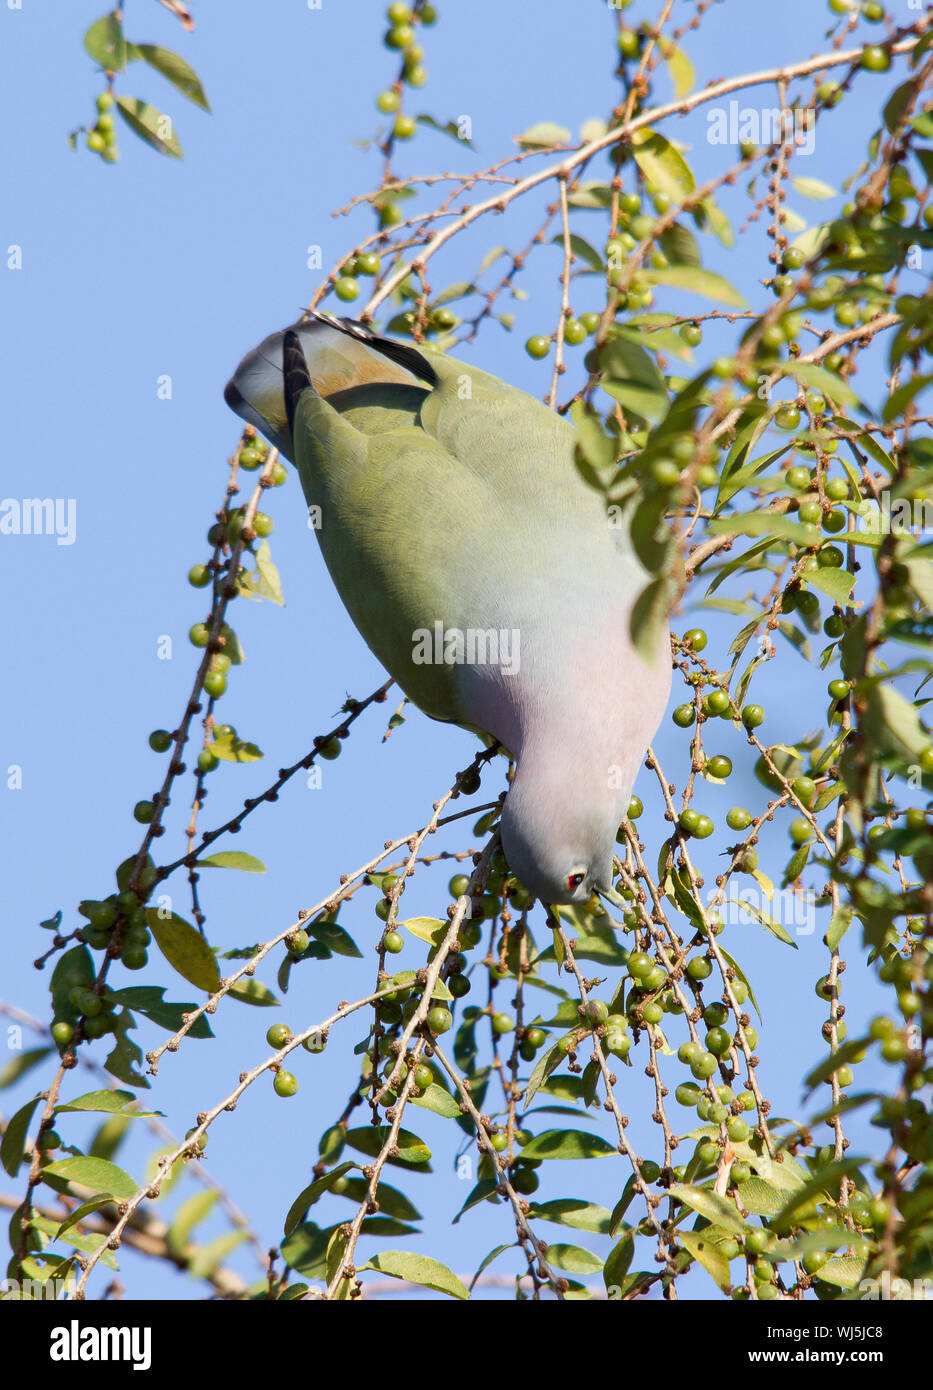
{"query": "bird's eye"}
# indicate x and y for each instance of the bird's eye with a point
(574, 881)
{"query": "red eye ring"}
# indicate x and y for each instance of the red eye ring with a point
(574, 881)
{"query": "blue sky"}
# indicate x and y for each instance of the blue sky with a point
(156, 267)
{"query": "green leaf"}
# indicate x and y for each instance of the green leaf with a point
(75, 967)
(450, 128)
(125, 1056)
(150, 125)
(819, 379)
(838, 584)
(418, 1269)
(178, 72)
(148, 1000)
(233, 859)
(680, 245)
(619, 1261)
(253, 992)
(105, 1199)
(96, 1173)
(107, 1103)
(488, 1259)
(18, 1066)
(718, 1210)
(543, 135)
(333, 937)
(440, 1101)
(707, 1253)
(14, 1137)
(485, 1190)
(105, 43)
(839, 925)
(575, 1212)
(206, 1260)
(412, 1151)
(310, 1194)
(430, 929)
(899, 399)
(814, 188)
(840, 1058)
(775, 928)
(760, 1198)
(545, 1064)
(185, 949)
(232, 749)
(567, 1143)
(662, 164)
(190, 1214)
(845, 1270)
(649, 616)
(679, 66)
(773, 525)
(574, 1258)
(892, 724)
(582, 250)
(825, 1183)
(391, 1201)
(459, 290)
(740, 974)
(695, 280)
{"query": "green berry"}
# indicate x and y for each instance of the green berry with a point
(574, 332)
(285, 1084)
(753, 716)
(538, 346)
(393, 942)
(875, 58)
(215, 683)
(62, 1032)
(635, 808)
(346, 287)
(199, 576)
(403, 128)
(788, 417)
(695, 638)
(501, 1024)
(798, 477)
(439, 1019)
(143, 812)
(207, 760)
(330, 749)
(298, 942)
(719, 766)
(699, 968)
(199, 635)
(691, 334)
(278, 1035)
(388, 101)
(738, 818)
(640, 965)
(704, 1066)
(716, 702)
(684, 715)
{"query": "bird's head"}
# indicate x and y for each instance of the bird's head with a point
(560, 855)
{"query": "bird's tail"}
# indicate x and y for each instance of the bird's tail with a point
(327, 353)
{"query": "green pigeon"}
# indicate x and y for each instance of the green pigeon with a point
(481, 570)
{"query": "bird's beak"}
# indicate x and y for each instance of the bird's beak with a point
(611, 896)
